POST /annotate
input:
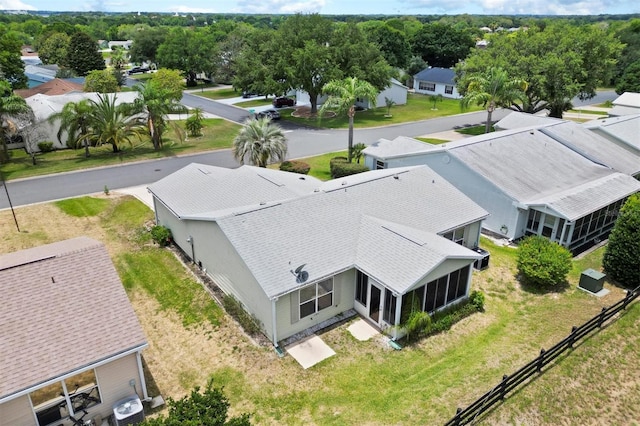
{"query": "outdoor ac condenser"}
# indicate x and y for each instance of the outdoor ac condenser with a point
(128, 411)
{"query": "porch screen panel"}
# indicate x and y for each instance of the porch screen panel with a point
(441, 293)
(462, 282)
(362, 287)
(430, 297)
(453, 285)
(389, 314)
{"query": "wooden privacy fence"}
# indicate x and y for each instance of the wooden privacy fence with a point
(511, 382)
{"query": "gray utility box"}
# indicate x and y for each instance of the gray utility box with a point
(592, 280)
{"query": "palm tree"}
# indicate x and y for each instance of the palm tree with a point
(75, 120)
(111, 123)
(261, 140)
(155, 103)
(493, 89)
(342, 98)
(10, 105)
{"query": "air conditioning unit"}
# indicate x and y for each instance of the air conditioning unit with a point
(128, 411)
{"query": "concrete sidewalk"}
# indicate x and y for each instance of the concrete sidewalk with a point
(140, 192)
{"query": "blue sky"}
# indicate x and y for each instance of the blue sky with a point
(338, 7)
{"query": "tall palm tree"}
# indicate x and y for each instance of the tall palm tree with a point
(493, 89)
(342, 98)
(261, 140)
(10, 105)
(75, 120)
(111, 123)
(155, 104)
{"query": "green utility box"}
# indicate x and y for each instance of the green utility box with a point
(592, 280)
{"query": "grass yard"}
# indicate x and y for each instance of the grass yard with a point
(225, 93)
(418, 107)
(217, 134)
(365, 382)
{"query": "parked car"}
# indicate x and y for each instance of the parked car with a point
(269, 113)
(136, 70)
(248, 94)
(281, 101)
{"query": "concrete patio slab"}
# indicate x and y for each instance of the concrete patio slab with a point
(310, 351)
(362, 330)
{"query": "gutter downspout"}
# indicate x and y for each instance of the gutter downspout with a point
(273, 322)
(143, 383)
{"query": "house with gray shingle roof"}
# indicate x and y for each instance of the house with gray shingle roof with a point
(556, 180)
(69, 335)
(623, 130)
(297, 252)
(436, 81)
(626, 104)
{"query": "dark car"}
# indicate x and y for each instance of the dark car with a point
(269, 113)
(282, 101)
(248, 94)
(136, 70)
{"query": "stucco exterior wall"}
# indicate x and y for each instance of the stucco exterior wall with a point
(17, 412)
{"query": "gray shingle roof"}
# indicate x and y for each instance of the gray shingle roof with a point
(595, 147)
(63, 308)
(515, 120)
(436, 75)
(624, 129)
(199, 190)
(574, 203)
(322, 229)
(400, 146)
(526, 163)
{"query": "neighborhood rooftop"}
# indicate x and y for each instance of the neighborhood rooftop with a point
(624, 130)
(64, 308)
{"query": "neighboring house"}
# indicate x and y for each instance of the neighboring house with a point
(297, 252)
(125, 44)
(580, 138)
(623, 130)
(626, 104)
(436, 81)
(44, 106)
(527, 179)
(38, 74)
(396, 91)
(68, 330)
(54, 87)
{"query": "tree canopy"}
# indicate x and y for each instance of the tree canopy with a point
(559, 62)
(11, 67)
(621, 255)
(190, 51)
(83, 55)
(442, 45)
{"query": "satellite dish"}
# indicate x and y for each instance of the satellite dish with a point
(301, 276)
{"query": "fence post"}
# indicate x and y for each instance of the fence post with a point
(540, 360)
(601, 318)
(456, 419)
(503, 386)
(627, 298)
(572, 336)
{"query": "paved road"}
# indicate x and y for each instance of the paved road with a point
(303, 142)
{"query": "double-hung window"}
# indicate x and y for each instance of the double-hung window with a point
(316, 297)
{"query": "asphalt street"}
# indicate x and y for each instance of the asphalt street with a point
(302, 141)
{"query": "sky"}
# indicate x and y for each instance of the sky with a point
(338, 7)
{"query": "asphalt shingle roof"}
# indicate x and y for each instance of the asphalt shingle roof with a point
(437, 75)
(322, 229)
(625, 129)
(63, 308)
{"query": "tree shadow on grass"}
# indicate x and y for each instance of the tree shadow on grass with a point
(532, 288)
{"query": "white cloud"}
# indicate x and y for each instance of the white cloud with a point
(280, 6)
(15, 5)
(519, 7)
(190, 9)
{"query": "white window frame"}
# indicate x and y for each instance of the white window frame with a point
(320, 293)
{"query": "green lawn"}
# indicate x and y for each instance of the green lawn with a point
(432, 141)
(261, 101)
(217, 134)
(219, 93)
(418, 107)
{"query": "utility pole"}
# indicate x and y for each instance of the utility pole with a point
(6, 190)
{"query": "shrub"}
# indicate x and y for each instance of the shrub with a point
(340, 167)
(161, 235)
(542, 262)
(246, 321)
(418, 323)
(293, 166)
(476, 299)
(45, 146)
(621, 255)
